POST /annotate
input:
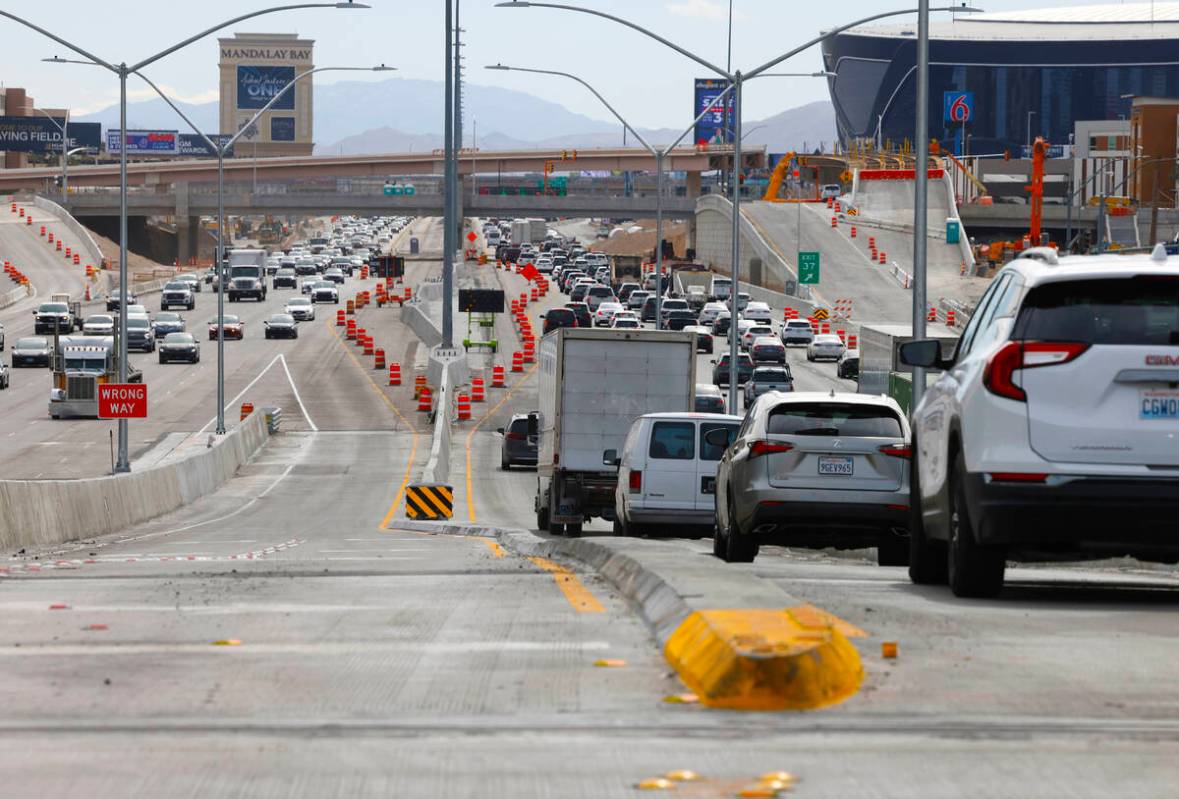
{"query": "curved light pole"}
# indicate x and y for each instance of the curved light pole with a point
(660, 153)
(122, 70)
(221, 147)
(737, 79)
(64, 129)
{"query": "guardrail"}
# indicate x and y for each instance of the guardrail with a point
(75, 227)
(15, 296)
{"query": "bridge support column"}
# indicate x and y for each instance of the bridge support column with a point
(693, 184)
(188, 231)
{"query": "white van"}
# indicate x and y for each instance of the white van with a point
(832, 190)
(667, 472)
(719, 288)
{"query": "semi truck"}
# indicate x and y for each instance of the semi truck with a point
(528, 231)
(247, 274)
(593, 384)
(80, 365)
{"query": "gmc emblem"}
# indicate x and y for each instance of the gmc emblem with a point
(1162, 360)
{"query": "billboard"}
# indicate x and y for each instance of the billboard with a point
(282, 129)
(194, 146)
(257, 85)
(40, 134)
(709, 130)
(145, 142)
(957, 107)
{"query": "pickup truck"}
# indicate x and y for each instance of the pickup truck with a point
(58, 315)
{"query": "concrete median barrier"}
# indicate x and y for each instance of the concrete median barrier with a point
(46, 512)
(738, 642)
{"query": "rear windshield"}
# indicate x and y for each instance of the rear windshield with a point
(1142, 310)
(833, 419)
(559, 315)
(518, 426)
(771, 376)
(673, 441)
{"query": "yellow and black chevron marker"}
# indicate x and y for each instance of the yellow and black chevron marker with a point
(429, 501)
(822, 314)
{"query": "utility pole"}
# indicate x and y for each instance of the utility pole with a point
(449, 204)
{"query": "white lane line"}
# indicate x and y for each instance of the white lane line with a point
(298, 399)
(332, 649)
(243, 391)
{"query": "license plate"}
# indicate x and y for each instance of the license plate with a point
(707, 485)
(1159, 404)
(836, 465)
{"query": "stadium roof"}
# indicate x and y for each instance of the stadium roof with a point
(1073, 23)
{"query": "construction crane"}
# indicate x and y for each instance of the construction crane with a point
(779, 174)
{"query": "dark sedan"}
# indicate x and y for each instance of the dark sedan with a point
(180, 347)
(285, 279)
(169, 322)
(678, 320)
(582, 312)
(559, 317)
(519, 448)
(281, 325)
(32, 351)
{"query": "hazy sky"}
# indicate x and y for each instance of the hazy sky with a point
(648, 83)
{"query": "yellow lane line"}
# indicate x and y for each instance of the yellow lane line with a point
(475, 429)
(580, 597)
(413, 449)
(496, 549)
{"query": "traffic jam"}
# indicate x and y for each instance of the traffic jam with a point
(271, 292)
(1046, 431)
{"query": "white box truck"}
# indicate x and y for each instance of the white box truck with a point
(593, 384)
(528, 231)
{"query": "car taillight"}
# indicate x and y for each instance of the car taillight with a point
(758, 448)
(636, 482)
(517, 437)
(999, 375)
(897, 450)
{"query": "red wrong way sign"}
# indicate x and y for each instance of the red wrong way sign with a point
(122, 401)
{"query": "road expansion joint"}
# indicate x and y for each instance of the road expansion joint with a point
(737, 641)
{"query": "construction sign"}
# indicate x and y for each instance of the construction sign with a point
(822, 314)
(429, 501)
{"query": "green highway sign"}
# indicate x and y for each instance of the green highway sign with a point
(808, 268)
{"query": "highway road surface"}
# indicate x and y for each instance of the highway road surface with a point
(289, 636)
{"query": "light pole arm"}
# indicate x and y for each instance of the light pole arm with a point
(686, 53)
(226, 24)
(753, 73)
(85, 54)
(174, 107)
(593, 91)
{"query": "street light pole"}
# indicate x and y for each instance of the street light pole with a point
(920, 189)
(64, 129)
(123, 462)
(222, 148)
(449, 204)
(738, 78)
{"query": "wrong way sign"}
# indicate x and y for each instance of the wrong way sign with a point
(122, 401)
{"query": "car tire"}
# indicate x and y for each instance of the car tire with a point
(542, 518)
(738, 548)
(573, 530)
(972, 569)
(504, 463)
(892, 550)
(163, 359)
(927, 559)
(718, 540)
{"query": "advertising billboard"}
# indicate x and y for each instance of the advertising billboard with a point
(40, 134)
(257, 85)
(145, 142)
(194, 146)
(282, 129)
(957, 107)
(710, 129)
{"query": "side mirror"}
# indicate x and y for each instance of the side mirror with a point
(610, 458)
(720, 437)
(499, 430)
(712, 361)
(533, 424)
(925, 353)
(265, 324)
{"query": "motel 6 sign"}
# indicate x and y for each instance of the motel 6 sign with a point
(957, 107)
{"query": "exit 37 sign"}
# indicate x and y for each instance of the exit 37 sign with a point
(122, 401)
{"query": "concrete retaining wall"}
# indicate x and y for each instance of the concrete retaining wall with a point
(93, 254)
(14, 296)
(47, 512)
(417, 318)
(714, 244)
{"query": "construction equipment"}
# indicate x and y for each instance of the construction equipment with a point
(1036, 190)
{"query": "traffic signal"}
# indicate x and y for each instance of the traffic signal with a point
(569, 155)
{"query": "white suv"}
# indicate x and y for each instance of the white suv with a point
(1053, 430)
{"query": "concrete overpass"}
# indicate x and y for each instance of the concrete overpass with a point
(691, 160)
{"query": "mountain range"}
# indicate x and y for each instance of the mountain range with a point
(402, 115)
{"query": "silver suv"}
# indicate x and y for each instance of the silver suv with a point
(1053, 430)
(815, 469)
